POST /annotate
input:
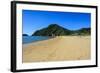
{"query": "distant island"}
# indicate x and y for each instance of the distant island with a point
(56, 30)
(25, 34)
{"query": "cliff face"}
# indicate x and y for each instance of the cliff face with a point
(56, 30)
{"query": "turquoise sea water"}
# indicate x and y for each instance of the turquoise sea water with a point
(30, 39)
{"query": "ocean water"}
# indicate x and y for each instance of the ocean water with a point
(30, 39)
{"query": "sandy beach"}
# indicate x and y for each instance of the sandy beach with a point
(60, 48)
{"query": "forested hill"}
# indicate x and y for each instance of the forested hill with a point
(56, 30)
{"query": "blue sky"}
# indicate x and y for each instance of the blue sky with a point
(33, 20)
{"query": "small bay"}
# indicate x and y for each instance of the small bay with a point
(30, 39)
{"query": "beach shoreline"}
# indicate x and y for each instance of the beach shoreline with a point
(60, 48)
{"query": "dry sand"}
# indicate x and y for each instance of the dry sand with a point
(58, 49)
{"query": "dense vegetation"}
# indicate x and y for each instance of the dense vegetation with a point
(56, 30)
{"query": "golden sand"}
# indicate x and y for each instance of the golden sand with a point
(60, 48)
